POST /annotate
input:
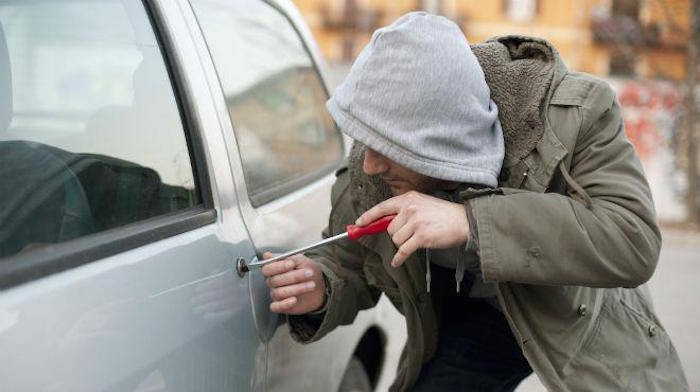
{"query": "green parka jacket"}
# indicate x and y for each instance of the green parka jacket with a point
(570, 237)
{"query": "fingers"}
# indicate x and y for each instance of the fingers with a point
(284, 305)
(402, 218)
(405, 250)
(387, 207)
(278, 267)
(403, 234)
(282, 293)
(289, 278)
(396, 223)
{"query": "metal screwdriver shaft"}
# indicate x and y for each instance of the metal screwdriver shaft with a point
(299, 250)
(352, 233)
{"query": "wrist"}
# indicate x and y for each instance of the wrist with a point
(326, 296)
(463, 225)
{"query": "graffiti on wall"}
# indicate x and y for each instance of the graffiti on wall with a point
(652, 113)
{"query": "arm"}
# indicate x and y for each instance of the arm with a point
(342, 266)
(551, 239)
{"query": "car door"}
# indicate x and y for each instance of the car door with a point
(284, 149)
(119, 225)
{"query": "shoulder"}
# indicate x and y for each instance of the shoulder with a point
(584, 90)
(591, 96)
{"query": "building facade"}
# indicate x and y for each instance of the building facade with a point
(629, 38)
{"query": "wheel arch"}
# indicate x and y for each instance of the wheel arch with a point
(371, 351)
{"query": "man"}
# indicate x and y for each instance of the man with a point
(514, 176)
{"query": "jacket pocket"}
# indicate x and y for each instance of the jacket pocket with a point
(626, 350)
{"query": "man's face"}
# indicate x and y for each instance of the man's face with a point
(399, 178)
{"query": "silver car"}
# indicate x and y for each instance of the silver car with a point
(145, 148)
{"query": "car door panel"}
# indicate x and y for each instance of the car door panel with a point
(172, 308)
(168, 314)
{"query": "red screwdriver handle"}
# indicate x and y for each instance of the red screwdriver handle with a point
(376, 227)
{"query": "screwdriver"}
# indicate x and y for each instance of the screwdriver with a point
(353, 232)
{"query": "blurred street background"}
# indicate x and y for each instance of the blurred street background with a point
(646, 50)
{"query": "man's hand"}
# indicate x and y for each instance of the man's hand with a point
(422, 221)
(296, 284)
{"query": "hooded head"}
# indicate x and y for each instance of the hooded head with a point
(417, 95)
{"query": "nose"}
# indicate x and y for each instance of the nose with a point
(374, 163)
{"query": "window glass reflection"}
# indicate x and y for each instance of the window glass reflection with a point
(90, 134)
(275, 97)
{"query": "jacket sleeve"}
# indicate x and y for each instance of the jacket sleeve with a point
(612, 240)
(342, 265)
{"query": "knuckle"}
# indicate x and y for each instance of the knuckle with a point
(297, 279)
(395, 240)
(282, 293)
(393, 227)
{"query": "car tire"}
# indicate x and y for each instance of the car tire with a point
(355, 378)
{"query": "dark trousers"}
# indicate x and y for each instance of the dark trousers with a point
(476, 352)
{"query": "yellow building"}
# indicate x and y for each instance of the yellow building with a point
(605, 37)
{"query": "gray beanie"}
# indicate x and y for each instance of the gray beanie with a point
(417, 95)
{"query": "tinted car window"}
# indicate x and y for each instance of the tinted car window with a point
(90, 133)
(275, 97)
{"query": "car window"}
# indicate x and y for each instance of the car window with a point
(91, 137)
(275, 97)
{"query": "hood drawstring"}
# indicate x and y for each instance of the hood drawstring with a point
(459, 271)
(582, 195)
(460, 266)
(428, 276)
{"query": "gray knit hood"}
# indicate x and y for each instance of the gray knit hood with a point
(417, 95)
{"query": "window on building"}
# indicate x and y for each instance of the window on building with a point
(625, 8)
(622, 61)
(520, 10)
